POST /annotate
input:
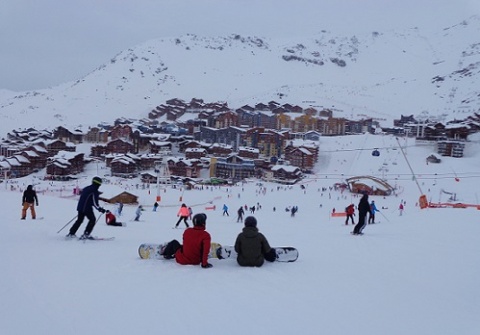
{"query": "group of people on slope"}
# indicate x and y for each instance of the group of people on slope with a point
(251, 246)
(364, 208)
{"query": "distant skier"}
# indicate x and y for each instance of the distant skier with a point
(293, 210)
(29, 199)
(183, 213)
(155, 206)
(138, 213)
(363, 210)
(240, 213)
(350, 210)
(400, 209)
(373, 209)
(225, 210)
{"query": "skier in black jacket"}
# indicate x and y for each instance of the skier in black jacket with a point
(88, 200)
(363, 209)
(29, 200)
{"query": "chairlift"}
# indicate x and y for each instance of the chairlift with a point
(376, 153)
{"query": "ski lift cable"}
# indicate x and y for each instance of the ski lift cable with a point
(409, 166)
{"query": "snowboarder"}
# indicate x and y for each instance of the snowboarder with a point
(29, 199)
(138, 213)
(196, 244)
(373, 209)
(350, 210)
(183, 213)
(240, 213)
(111, 220)
(225, 210)
(155, 206)
(252, 246)
(363, 209)
(88, 200)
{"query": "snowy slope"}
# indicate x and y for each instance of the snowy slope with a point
(410, 274)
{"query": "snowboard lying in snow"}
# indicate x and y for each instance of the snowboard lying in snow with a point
(154, 251)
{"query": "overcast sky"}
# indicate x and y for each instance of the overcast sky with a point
(44, 43)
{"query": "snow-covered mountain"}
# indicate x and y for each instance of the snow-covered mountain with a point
(381, 74)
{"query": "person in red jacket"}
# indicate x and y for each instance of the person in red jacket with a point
(183, 213)
(196, 245)
(350, 210)
(111, 220)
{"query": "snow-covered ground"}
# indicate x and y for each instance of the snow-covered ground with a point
(412, 274)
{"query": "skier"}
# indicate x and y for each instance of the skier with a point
(363, 209)
(88, 200)
(240, 213)
(111, 220)
(225, 210)
(138, 213)
(350, 210)
(155, 206)
(373, 209)
(119, 208)
(252, 246)
(400, 208)
(183, 213)
(293, 210)
(196, 244)
(29, 199)
(190, 212)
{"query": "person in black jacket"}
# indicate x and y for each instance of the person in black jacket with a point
(363, 210)
(252, 246)
(88, 200)
(29, 200)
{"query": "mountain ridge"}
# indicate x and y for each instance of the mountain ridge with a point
(381, 75)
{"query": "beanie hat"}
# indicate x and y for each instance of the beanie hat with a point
(97, 180)
(199, 219)
(250, 221)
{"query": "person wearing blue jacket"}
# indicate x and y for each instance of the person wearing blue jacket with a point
(373, 210)
(88, 200)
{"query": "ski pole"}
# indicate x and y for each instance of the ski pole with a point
(384, 216)
(67, 223)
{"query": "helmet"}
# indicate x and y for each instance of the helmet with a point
(200, 219)
(97, 181)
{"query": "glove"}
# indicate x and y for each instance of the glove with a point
(102, 210)
(207, 266)
(37, 203)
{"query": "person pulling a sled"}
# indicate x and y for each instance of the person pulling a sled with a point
(111, 220)
(196, 244)
(29, 199)
(363, 210)
(88, 200)
(252, 246)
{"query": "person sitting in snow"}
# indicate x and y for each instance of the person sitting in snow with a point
(252, 246)
(111, 220)
(196, 244)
